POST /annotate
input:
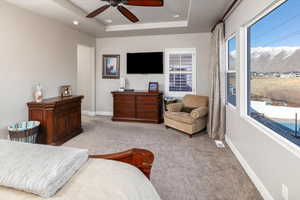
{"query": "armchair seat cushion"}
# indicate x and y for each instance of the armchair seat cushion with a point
(180, 117)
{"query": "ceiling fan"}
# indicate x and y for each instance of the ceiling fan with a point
(129, 15)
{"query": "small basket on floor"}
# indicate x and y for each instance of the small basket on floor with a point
(24, 132)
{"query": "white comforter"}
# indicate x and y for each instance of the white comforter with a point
(98, 180)
(38, 169)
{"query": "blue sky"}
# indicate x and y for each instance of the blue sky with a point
(279, 28)
(232, 44)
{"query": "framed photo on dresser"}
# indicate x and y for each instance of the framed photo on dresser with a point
(111, 67)
(153, 87)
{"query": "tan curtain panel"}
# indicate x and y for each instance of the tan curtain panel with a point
(216, 122)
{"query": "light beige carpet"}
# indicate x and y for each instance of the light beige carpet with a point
(184, 168)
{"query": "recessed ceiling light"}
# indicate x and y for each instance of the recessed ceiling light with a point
(176, 16)
(109, 21)
(76, 23)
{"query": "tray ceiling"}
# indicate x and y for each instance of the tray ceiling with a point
(193, 16)
(145, 14)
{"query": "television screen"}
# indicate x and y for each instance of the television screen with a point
(145, 63)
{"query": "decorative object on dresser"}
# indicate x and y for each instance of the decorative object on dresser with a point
(122, 84)
(60, 118)
(65, 91)
(38, 95)
(111, 67)
(153, 87)
(138, 106)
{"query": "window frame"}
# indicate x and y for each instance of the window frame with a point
(179, 94)
(228, 71)
(243, 74)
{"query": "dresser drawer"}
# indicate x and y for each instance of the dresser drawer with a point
(65, 108)
(124, 99)
(147, 100)
(147, 108)
(147, 115)
(124, 106)
(124, 114)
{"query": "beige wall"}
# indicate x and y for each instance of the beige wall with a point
(33, 49)
(270, 161)
(86, 77)
(147, 44)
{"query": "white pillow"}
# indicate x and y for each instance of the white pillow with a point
(38, 169)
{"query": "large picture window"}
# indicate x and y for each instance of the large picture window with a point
(180, 72)
(231, 71)
(274, 70)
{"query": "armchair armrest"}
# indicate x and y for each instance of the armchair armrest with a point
(199, 112)
(140, 158)
(175, 107)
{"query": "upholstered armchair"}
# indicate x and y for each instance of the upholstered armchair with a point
(190, 116)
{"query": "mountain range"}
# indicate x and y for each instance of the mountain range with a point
(274, 59)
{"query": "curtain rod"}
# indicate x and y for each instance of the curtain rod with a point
(225, 14)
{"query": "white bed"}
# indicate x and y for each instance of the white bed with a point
(98, 178)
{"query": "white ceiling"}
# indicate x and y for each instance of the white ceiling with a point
(195, 16)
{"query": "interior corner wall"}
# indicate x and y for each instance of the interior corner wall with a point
(34, 49)
(86, 77)
(124, 45)
(268, 163)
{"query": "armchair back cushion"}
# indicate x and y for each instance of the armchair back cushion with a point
(193, 101)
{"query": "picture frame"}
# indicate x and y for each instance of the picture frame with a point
(111, 67)
(65, 91)
(153, 87)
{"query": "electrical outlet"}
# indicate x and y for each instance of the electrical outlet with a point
(285, 192)
(219, 144)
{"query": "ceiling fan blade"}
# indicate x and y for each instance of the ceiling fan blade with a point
(129, 15)
(154, 3)
(98, 11)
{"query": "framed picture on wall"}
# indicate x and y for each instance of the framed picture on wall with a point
(111, 67)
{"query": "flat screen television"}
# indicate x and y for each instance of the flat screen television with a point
(145, 63)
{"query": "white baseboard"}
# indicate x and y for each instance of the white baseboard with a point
(88, 113)
(255, 179)
(104, 113)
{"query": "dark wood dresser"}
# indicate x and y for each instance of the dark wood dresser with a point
(138, 106)
(60, 118)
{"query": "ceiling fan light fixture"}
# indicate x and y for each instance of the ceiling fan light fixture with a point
(176, 15)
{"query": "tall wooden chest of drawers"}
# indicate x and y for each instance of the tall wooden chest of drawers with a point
(139, 106)
(60, 119)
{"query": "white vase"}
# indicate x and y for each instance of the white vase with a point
(38, 94)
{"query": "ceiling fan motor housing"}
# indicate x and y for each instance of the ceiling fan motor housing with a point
(115, 3)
